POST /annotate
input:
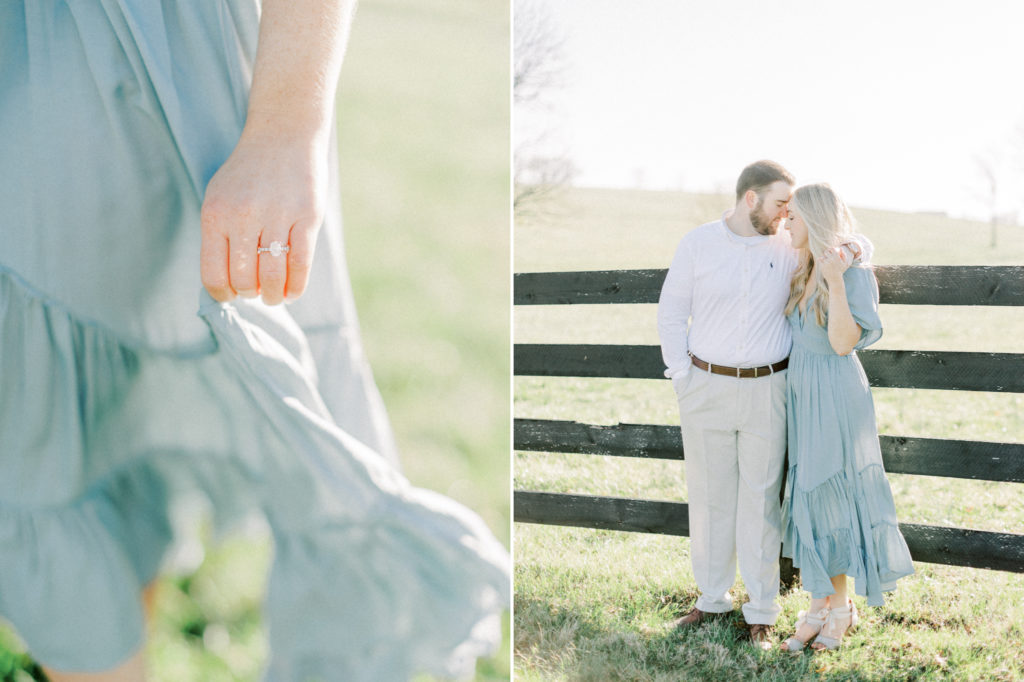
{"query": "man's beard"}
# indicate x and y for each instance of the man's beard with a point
(762, 222)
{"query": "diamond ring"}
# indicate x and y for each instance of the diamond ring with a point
(275, 249)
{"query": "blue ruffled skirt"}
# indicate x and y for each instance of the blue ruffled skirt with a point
(838, 513)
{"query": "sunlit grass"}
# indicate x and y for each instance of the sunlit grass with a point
(596, 605)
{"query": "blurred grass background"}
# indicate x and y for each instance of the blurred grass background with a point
(595, 605)
(423, 110)
(424, 147)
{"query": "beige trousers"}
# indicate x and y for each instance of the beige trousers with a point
(734, 443)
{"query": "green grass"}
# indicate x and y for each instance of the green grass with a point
(423, 143)
(595, 605)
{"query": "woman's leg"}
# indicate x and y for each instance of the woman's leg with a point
(149, 600)
(806, 628)
(841, 616)
(132, 670)
(837, 600)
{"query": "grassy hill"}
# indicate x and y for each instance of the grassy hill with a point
(586, 228)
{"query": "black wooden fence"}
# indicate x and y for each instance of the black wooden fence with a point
(908, 285)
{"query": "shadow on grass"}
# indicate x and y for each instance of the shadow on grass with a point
(609, 642)
(614, 643)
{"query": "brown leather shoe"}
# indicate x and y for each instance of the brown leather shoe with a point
(761, 635)
(693, 618)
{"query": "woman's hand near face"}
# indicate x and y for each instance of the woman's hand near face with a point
(832, 264)
(271, 189)
(843, 330)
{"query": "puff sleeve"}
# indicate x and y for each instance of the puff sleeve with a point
(862, 296)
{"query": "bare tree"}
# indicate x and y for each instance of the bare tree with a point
(989, 169)
(538, 177)
(538, 67)
(1000, 178)
(537, 53)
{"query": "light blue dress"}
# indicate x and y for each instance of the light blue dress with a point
(127, 394)
(838, 512)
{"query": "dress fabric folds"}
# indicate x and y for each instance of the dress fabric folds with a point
(126, 393)
(838, 512)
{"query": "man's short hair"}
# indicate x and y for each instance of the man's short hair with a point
(760, 175)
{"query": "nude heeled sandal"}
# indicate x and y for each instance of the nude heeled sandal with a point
(830, 643)
(816, 620)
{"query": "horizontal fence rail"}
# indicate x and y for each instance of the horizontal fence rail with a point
(1001, 285)
(951, 370)
(930, 544)
(947, 370)
(976, 460)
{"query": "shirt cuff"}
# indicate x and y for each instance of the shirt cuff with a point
(678, 371)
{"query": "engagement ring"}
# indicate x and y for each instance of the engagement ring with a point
(275, 249)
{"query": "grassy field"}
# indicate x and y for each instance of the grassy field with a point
(595, 605)
(423, 141)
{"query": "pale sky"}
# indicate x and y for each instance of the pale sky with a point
(889, 101)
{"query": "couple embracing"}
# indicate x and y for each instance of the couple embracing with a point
(758, 330)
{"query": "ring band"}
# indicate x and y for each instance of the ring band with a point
(275, 249)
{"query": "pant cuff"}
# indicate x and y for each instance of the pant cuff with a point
(760, 615)
(710, 605)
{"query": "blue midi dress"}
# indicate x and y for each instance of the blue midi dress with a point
(127, 394)
(838, 513)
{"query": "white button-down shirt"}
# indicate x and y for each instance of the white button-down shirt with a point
(734, 289)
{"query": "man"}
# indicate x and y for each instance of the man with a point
(728, 369)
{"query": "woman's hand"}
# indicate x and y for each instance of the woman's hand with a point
(832, 264)
(843, 330)
(271, 189)
(273, 186)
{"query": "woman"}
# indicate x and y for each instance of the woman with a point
(838, 514)
(138, 168)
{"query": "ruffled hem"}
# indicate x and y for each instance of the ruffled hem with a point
(844, 527)
(372, 579)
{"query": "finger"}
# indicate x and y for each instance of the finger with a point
(242, 265)
(272, 270)
(213, 267)
(852, 249)
(300, 261)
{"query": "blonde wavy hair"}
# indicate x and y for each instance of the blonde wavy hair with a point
(829, 224)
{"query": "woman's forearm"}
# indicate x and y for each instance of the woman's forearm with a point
(298, 61)
(843, 330)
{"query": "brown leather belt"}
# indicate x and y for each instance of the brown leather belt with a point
(740, 372)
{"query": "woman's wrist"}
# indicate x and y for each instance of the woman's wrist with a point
(836, 284)
(301, 129)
